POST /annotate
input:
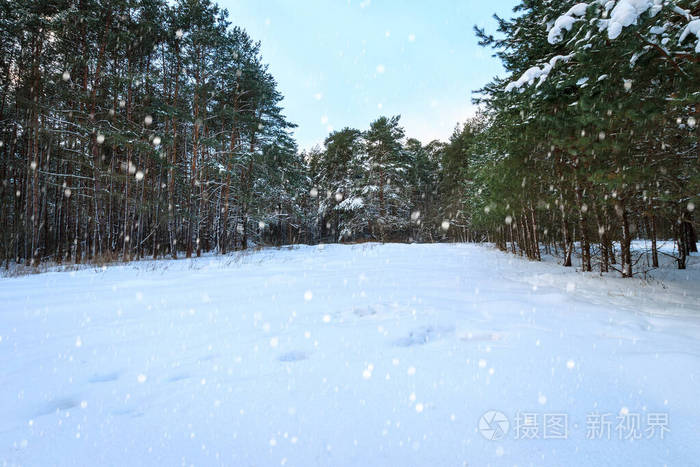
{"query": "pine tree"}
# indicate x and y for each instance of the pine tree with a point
(386, 197)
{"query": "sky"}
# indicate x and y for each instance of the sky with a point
(342, 63)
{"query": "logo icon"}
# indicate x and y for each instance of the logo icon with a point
(494, 425)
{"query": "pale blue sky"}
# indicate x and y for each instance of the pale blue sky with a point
(345, 62)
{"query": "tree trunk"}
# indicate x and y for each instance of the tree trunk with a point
(603, 239)
(652, 233)
(568, 244)
(585, 245)
(625, 243)
(172, 212)
(536, 238)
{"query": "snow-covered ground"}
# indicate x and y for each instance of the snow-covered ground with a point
(350, 355)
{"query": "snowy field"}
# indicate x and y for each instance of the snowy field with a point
(350, 355)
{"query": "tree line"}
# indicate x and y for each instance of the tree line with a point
(591, 138)
(137, 127)
(133, 129)
(380, 185)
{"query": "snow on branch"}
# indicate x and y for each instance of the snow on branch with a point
(615, 16)
(626, 13)
(537, 73)
(566, 22)
(352, 204)
(692, 28)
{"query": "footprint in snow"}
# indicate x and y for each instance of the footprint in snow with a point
(56, 405)
(293, 356)
(133, 413)
(104, 377)
(362, 312)
(176, 378)
(424, 335)
(481, 337)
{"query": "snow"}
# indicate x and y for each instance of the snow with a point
(616, 15)
(691, 28)
(566, 22)
(346, 355)
(352, 204)
(626, 13)
(537, 73)
(684, 13)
